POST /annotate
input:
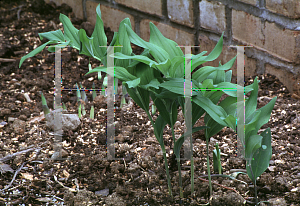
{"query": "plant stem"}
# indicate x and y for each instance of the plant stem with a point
(180, 177)
(167, 171)
(208, 166)
(192, 175)
(179, 168)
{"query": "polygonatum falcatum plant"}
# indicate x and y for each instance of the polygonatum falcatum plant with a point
(159, 73)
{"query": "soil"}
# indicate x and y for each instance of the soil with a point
(84, 176)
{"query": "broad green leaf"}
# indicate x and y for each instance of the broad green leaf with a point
(228, 76)
(261, 158)
(161, 107)
(119, 72)
(177, 67)
(61, 45)
(168, 45)
(157, 52)
(214, 54)
(70, 32)
(125, 42)
(216, 112)
(265, 113)
(162, 67)
(201, 74)
(219, 76)
(140, 96)
(251, 105)
(176, 85)
(87, 45)
(197, 112)
(134, 83)
(99, 36)
(36, 51)
(154, 83)
(159, 128)
(252, 144)
(53, 35)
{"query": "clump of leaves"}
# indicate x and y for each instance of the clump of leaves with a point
(159, 73)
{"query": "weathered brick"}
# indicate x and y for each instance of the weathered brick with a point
(212, 16)
(76, 6)
(286, 77)
(253, 2)
(282, 43)
(290, 8)
(181, 11)
(247, 28)
(151, 7)
(177, 35)
(111, 17)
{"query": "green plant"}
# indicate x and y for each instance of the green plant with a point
(159, 73)
(217, 160)
(44, 105)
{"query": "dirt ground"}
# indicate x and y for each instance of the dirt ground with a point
(28, 175)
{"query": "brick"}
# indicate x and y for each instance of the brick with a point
(181, 11)
(282, 43)
(286, 77)
(247, 28)
(151, 7)
(269, 37)
(252, 2)
(76, 6)
(111, 17)
(212, 16)
(290, 8)
(177, 35)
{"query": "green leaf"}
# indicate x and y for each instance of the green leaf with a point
(228, 76)
(215, 53)
(176, 85)
(251, 104)
(168, 45)
(157, 52)
(99, 36)
(125, 42)
(161, 107)
(205, 71)
(134, 83)
(252, 144)
(216, 112)
(86, 44)
(34, 52)
(53, 35)
(162, 67)
(261, 158)
(177, 67)
(159, 128)
(119, 72)
(44, 105)
(265, 113)
(70, 32)
(61, 45)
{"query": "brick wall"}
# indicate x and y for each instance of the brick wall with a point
(271, 27)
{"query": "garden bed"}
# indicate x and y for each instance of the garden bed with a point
(139, 178)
